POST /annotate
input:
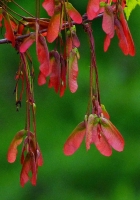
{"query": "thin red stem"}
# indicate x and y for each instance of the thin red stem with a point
(94, 90)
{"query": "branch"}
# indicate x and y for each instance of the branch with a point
(65, 25)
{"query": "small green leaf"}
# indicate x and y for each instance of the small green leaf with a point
(102, 4)
(131, 4)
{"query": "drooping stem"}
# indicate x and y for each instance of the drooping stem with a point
(5, 8)
(28, 94)
(30, 103)
(22, 8)
(94, 85)
(23, 59)
(37, 9)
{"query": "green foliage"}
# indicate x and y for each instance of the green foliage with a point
(131, 4)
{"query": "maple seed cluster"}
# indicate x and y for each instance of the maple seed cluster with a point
(58, 68)
(96, 127)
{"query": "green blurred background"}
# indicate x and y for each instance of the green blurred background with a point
(85, 175)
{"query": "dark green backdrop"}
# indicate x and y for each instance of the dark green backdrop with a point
(85, 175)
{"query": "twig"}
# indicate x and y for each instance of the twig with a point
(65, 25)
